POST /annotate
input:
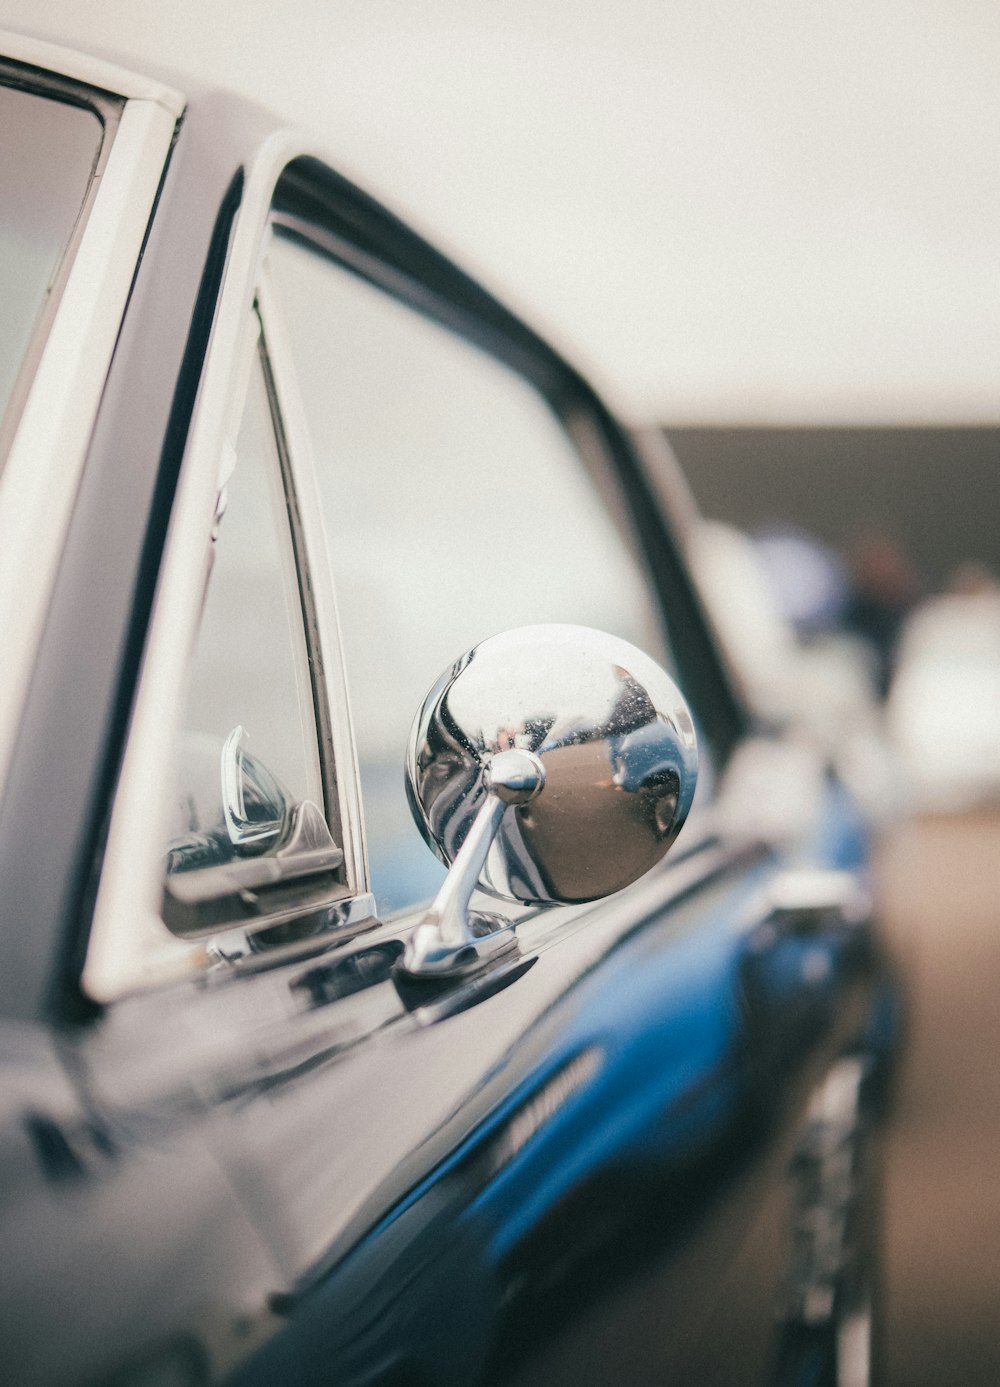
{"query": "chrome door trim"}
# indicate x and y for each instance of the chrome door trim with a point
(334, 712)
(39, 481)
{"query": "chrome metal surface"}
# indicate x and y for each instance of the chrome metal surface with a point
(449, 940)
(826, 1285)
(515, 777)
(246, 949)
(245, 831)
(609, 729)
(815, 897)
(309, 850)
(333, 712)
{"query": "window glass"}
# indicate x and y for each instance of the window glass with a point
(47, 153)
(249, 671)
(456, 507)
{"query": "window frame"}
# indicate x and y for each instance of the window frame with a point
(129, 947)
(108, 114)
(46, 427)
(177, 935)
(206, 903)
(338, 757)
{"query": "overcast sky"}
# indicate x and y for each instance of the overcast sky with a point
(754, 213)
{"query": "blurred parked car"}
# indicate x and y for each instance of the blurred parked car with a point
(776, 606)
(944, 700)
(286, 1096)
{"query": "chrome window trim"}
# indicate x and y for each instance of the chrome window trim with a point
(130, 947)
(340, 762)
(39, 481)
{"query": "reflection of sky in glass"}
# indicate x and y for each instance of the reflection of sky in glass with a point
(47, 151)
(559, 686)
(250, 666)
(455, 503)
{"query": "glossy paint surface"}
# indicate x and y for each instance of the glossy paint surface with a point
(315, 1173)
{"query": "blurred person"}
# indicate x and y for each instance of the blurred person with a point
(809, 579)
(885, 591)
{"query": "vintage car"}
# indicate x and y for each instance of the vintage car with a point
(949, 649)
(821, 684)
(303, 535)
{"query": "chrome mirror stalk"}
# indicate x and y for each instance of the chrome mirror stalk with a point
(448, 940)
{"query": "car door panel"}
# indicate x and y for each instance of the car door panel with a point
(494, 1161)
(603, 1114)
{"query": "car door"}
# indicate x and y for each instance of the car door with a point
(277, 1157)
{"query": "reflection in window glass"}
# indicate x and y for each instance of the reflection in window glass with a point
(456, 507)
(47, 153)
(250, 667)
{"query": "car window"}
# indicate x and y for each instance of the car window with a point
(456, 505)
(37, 214)
(246, 756)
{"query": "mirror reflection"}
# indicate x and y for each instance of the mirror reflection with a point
(616, 742)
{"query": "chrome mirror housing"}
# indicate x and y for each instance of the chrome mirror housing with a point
(550, 764)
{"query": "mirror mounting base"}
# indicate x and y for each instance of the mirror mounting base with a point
(450, 940)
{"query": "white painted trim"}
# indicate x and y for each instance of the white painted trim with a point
(39, 482)
(92, 72)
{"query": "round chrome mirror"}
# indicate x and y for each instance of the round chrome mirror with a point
(604, 770)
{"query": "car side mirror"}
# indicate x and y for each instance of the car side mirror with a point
(550, 764)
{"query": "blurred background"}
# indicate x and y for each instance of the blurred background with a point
(772, 235)
(776, 214)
